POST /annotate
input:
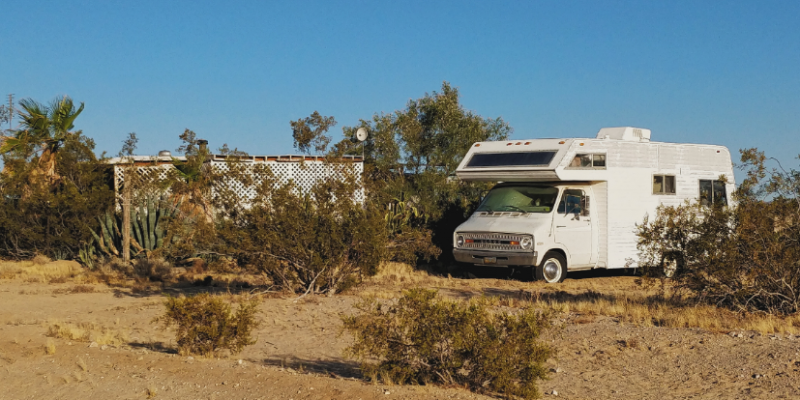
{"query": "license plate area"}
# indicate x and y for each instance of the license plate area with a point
(490, 260)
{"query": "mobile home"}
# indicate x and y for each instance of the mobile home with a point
(565, 205)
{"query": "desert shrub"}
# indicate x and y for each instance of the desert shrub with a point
(205, 323)
(424, 339)
(155, 269)
(744, 257)
(321, 241)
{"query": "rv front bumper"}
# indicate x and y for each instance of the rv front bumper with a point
(494, 258)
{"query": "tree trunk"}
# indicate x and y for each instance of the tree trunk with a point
(47, 166)
(126, 220)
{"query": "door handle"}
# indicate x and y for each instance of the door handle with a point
(561, 226)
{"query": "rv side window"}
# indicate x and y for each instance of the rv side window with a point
(663, 184)
(573, 201)
(713, 192)
(588, 161)
(599, 160)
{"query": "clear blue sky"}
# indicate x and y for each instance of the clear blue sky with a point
(237, 72)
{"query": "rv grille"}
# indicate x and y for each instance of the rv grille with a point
(493, 241)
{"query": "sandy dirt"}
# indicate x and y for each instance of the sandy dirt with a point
(299, 353)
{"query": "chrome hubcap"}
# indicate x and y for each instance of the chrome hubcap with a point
(552, 270)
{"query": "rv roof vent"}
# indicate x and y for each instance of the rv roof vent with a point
(164, 153)
(625, 133)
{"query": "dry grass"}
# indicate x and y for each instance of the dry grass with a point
(82, 365)
(150, 392)
(75, 289)
(39, 270)
(583, 300)
(394, 272)
(644, 308)
(41, 259)
(50, 347)
(89, 332)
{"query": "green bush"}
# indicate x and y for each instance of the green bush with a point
(411, 156)
(55, 219)
(424, 339)
(206, 324)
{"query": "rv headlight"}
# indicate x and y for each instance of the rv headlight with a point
(459, 241)
(526, 243)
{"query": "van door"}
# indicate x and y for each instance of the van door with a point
(573, 227)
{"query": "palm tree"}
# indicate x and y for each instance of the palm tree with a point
(44, 129)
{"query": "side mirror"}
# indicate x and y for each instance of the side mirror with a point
(585, 206)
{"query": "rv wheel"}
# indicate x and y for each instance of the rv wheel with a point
(553, 268)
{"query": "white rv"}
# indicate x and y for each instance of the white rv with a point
(573, 204)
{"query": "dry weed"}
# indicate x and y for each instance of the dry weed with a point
(82, 365)
(75, 289)
(41, 259)
(39, 271)
(50, 347)
(656, 309)
(89, 332)
(395, 272)
(150, 392)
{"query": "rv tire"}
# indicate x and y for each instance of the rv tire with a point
(552, 269)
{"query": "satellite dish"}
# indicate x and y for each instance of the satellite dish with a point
(361, 134)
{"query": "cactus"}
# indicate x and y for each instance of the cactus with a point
(148, 228)
(86, 255)
(400, 214)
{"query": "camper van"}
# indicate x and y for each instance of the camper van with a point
(563, 205)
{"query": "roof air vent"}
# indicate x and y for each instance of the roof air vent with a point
(626, 133)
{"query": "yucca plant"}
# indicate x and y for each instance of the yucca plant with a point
(148, 227)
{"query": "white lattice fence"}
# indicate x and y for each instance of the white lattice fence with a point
(303, 174)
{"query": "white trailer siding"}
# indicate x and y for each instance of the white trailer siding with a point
(629, 171)
(600, 205)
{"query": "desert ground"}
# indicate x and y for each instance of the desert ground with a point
(614, 339)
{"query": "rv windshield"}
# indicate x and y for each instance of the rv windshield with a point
(520, 198)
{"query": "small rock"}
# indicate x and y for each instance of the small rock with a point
(103, 347)
(773, 338)
(739, 335)
(93, 344)
(386, 392)
(190, 358)
(224, 382)
(756, 376)
(240, 362)
(554, 393)
(559, 370)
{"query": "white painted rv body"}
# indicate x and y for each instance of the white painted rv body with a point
(627, 177)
